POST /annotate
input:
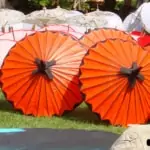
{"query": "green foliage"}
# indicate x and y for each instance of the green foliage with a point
(119, 5)
(44, 3)
(67, 4)
(39, 3)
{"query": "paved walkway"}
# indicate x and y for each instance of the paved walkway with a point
(51, 139)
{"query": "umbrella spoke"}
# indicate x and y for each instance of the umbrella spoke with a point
(95, 62)
(50, 44)
(97, 91)
(66, 103)
(67, 71)
(106, 98)
(126, 55)
(17, 73)
(119, 98)
(56, 103)
(104, 56)
(15, 54)
(17, 89)
(16, 79)
(18, 62)
(141, 98)
(57, 46)
(65, 48)
(69, 85)
(122, 108)
(67, 77)
(96, 82)
(76, 56)
(27, 48)
(24, 99)
(31, 44)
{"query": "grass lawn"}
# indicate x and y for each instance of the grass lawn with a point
(81, 118)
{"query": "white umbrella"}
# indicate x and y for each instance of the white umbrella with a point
(56, 12)
(51, 16)
(132, 22)
(16, 35)
(81, 22)
(105, 19)
(73, 13)
(65, 28)
(43, 21)
(5, 46)
(19, 26)
(145, 18)
(8, 16)
(47, 14)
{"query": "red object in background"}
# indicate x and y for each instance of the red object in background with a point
(142, 39)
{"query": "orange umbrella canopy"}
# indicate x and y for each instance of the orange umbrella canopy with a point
(115, 79)
(40, 73)
(97, 35)
(147, 47)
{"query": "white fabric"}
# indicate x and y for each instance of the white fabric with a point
(145, 16)
(16, 35)
(9, 16)
(132, 22)
(134, 138)
(48, 13)
(20, 26)
(5, 46)
(72, 30)
(105, 19)
(73, 13)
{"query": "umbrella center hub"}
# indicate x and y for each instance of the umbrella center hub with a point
(44, 67)
(132, 74)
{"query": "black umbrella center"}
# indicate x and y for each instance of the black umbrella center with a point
(44, 67)
(132, 74)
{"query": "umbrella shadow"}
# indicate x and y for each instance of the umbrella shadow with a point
(84, 114)
(5, 105)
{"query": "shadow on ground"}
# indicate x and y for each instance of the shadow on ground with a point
(81, 114)
(84, 114)
(6, 106)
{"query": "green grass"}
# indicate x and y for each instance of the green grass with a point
(80, 118)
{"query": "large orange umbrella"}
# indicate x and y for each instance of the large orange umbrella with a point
(115, 78)
(40, 73)
(94, 36)
(147, 47)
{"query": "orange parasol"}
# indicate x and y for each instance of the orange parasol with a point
(147, 47)
(94, 36)
(115, 78)
(40, 73)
